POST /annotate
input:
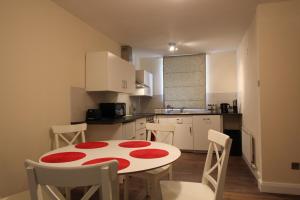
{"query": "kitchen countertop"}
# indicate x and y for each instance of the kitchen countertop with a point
(125, 119)
(197, 113)
(131, 118)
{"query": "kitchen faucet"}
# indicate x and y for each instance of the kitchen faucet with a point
(181, 109)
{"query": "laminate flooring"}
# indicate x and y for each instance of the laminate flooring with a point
(240, 184)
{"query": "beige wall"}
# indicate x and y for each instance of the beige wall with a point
(221, 77)
(279, 46)
(269, 52)
(42, 56)
(155, 66)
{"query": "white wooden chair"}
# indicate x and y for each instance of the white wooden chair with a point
(166, 135)
(212, 185)
(68, 133)
(98, 176)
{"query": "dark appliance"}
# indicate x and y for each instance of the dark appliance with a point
(234, 106)
(93, 115)
(224, 107)
(236, 147)
(112, 110)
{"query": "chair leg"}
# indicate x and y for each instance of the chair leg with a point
(155, 189)
(68, 193)
(148, 184)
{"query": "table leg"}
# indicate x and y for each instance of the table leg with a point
(126, 182)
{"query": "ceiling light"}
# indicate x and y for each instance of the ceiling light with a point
(172, 47)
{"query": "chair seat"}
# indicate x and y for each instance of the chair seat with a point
(178, 190)
(158, 170)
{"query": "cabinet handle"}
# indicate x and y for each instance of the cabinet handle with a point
(141, 123)
(190, 130)
(126, 84)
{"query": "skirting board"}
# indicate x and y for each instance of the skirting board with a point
(281, 188)
(25, 196)
(19, 196)
(273, 187)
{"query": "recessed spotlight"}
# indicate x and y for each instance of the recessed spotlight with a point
(172, 47)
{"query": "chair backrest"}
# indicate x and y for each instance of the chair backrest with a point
(164, 132)
(73, 131)
(102, 175)
(214, 174)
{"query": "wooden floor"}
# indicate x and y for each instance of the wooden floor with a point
(240, 183)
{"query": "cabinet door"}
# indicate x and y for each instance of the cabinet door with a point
(117, 71)
(141, 134)
(129, 130)
(201, 125)
(129, 77)
(183, 137)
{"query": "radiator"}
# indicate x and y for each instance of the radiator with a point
(248, 147)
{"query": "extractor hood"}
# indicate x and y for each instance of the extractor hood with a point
(144, 83)
(143, 79)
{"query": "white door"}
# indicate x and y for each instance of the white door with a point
(201, 125)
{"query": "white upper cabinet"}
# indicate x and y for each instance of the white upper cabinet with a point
(108, 72)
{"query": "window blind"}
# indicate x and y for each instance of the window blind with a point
(185, 81)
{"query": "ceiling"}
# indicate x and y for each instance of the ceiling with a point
(149, 25)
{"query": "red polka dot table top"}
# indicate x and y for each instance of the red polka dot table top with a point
(123, 163)
(149, 153)
(63, 157)
(134, 144)
(91, 145)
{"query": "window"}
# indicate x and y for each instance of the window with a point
(184, 81)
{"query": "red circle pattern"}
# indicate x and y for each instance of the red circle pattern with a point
(91, 145)
(149, 153)
(134, 144)
(122, 163)
(63, 157)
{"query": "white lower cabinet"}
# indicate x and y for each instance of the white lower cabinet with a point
(129, 130)
(140, 134)
(191, 131)
(183, 136)
(201, 125)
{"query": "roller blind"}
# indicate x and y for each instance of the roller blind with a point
(185, 81)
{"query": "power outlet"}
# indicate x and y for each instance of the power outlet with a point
(295, 166)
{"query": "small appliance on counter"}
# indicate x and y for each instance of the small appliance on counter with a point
(224, 107)
(234, 106)
(93, 115)
(112, 110)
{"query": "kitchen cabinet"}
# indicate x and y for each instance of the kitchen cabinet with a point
(108, 72)
(140, 129)
(129, 130)
(183, 136)
(201, 125)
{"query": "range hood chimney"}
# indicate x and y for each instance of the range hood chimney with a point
(126, 53)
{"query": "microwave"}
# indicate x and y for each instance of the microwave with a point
(112, 110)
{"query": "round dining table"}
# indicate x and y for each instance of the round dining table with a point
(132, 155)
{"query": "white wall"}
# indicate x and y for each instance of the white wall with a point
(248, 90)
(221, 77)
